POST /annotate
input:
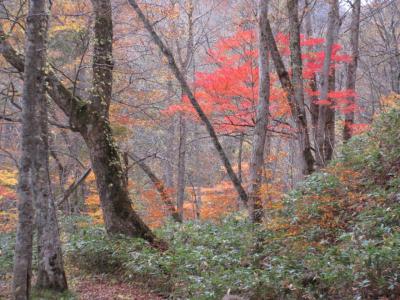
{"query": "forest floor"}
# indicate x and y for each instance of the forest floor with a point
(93, 288)
(103, 289)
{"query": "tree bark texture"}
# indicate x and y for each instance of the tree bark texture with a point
(352, 67)
(260, 129)
(34, 184)
(239, 165)
(33, 91)
(180, 199)
(314, 108)
(325, 111)
(51, 274)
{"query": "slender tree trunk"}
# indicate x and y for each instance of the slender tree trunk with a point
(186, 65)
(352, 68)
(168, 167)
(298, 86)
(240, 157)
(239, 165)
(198, 203)
(330, 124)
(181, 166)
(186, 89)
(165, 197)
(260, 129)
(325, 110)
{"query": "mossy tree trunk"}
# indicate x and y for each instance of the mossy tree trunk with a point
(91, 119)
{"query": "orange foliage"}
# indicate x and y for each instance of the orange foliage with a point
(8, 200)
(327, 211)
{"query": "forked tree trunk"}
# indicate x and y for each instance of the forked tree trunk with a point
(298, 87)
(298, 114)
(260, 129)
(352, 68)
(93, 123)
(325, 111)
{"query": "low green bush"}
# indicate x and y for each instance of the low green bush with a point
(206, 260)
(7, 245)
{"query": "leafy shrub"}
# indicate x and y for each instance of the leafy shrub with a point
(7, 244)
(335, 237)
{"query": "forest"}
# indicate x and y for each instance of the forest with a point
(200, 149)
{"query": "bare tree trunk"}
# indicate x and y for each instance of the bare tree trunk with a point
(198, 203)
(330, 124)
(260, 129)
(239, 165)
(185, 66)
(73, 187)
(325, 110)
(298, 86)
(314, 108)
(181, 166)
(165, 197)
(168, 167)
(186, 89)
(352, 67)
(51, 274)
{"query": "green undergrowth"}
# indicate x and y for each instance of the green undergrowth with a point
(7, 244)
(52, 295)
(335, 237)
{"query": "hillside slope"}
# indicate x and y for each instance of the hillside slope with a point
(335, 237)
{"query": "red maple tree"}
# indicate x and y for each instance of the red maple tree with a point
(228, 93)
